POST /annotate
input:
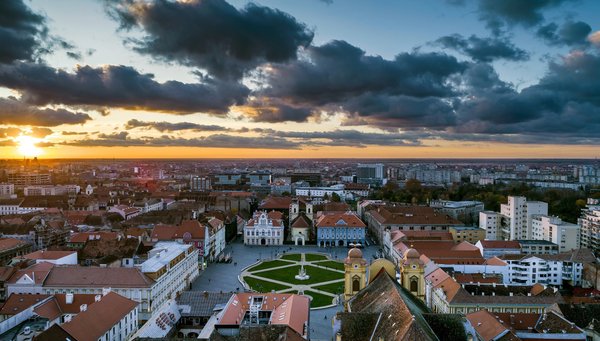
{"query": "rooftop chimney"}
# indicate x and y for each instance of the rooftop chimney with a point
(69, 298)
(83, 307)
(97, 298)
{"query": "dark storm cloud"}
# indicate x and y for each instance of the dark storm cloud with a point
(564, 104)
(212, 34)
(337, 71)
(401, 111)
(169, 127)
(527, 13)
(273, 110)
(484, 49)
(212, 141)
(570, 33)
(20, 31)
(14, 111)
(119, 86)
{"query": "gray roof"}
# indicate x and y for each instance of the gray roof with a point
(201, 303)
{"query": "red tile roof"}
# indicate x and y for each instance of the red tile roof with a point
(276, 203)
(37, 272)
(10, 243)
(100, 317)
(42, 254)
(79, 276)
(83, 237)
(411, 215)
(340, 220)
(500, 244)
(16, 303)
(287, 309)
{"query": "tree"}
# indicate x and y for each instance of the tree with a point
(413, 186)
(335, 197)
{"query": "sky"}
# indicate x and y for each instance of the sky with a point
(300, 79)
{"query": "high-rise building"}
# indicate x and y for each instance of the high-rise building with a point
(590, 226)
(554, 230)
(370, 173)
(519, 213)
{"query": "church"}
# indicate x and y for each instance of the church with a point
(377, 307)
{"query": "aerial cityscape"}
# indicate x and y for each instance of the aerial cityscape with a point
(339, 170)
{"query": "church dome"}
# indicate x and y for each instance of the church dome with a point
(411, 253)
(355, 253)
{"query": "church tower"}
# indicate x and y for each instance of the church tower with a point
(413, 273)
(355, 277)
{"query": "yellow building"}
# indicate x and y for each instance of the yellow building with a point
(413, 273)
(355, 277)
(471, 234)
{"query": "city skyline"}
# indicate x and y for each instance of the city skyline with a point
(316, 79)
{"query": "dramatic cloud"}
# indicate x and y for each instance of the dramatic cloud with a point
(169, 127)
(565, 103)
(14, 111)
(570, 33)
(119, 86)
(212, 34)
(337, 71)
(274, 110)
(212, 141)
(484, 49)
(527, 13)
(20, 31)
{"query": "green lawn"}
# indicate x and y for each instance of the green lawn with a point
(269, 264)
(292, 256)
(332, 264)
(334, 288)
(317, 275)
(311, 257)
(318, 300)
(263, 286)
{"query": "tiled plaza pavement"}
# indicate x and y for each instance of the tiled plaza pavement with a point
(224, 277)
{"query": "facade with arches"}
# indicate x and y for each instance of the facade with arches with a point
(265, 228)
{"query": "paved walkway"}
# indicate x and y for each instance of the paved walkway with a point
(297, 287)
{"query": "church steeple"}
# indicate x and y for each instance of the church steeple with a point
(413, 273)
(355, 267)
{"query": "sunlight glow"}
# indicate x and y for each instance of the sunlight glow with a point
(26, 146)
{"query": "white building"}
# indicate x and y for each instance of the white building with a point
(554, 230)
(113, 317)
(215, 240)
(44, 190)
(491, 222)
(54, 257)
(318, 193)
(590, 226)
(7, 190)
(544, 269)
(264, 229)
(520, 213)
(173, 267)
(465, 211)
(10, 206)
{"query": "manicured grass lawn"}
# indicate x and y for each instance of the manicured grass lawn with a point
(292, 256)
(334, 288)
(331, 264)
(317, 275)
(263, 286)
(318, 300)
(311, 257)
(269, 264)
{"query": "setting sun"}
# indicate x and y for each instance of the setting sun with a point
(26, 146)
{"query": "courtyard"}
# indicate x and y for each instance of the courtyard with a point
(324, 283)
